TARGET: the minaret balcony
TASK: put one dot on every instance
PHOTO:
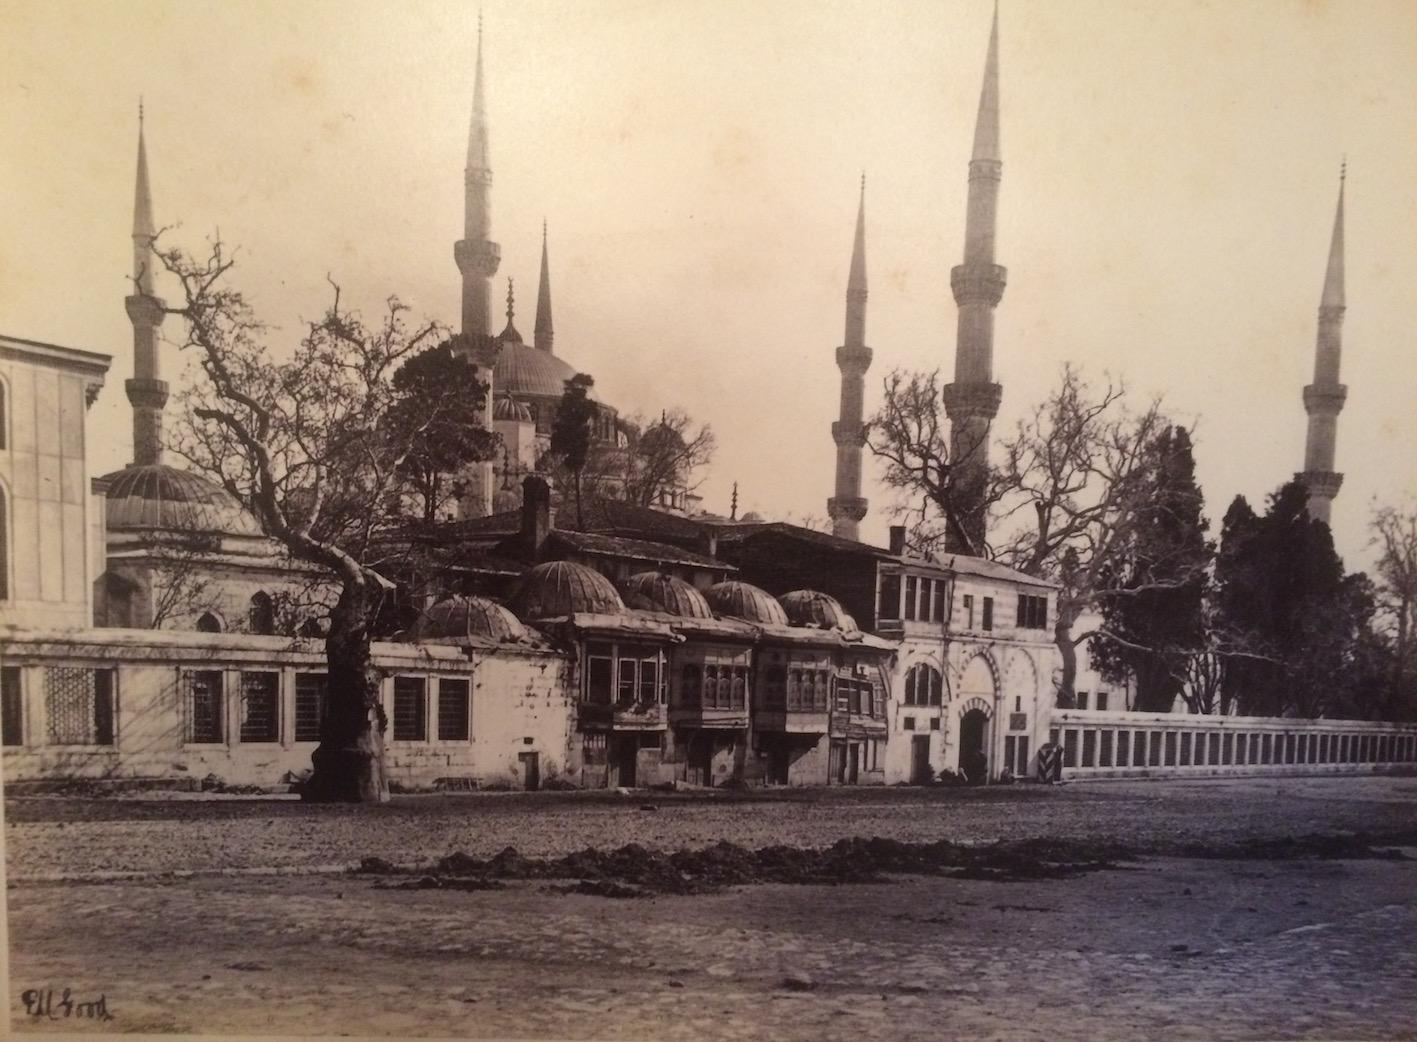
(853, 508)
(146, 394)
(1325, 401)
(978, 283)
(1320, 484)
(853, 359)
(478, 258)
(850, 436)
(972, 401)
(144, 309)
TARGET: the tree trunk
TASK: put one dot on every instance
(1400, 659)
(1063, 638)
(349, 761)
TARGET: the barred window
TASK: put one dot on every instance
(311, 693)
(453, 710)
(988, 621)
(11, 705)
(204, 699)
(1032, 612)
(79, 704)
(410, 710)
(260, 707)
(261, 617)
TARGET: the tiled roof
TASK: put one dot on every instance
(639, 549)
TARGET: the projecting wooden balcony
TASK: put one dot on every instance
(783, 721)
(718, 717)
(621, 716)
(858, 725)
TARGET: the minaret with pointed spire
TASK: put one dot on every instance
(1324, 398)
(477, 259)
(972, 400)
(544, 335)
(853, 358)
(146, 391)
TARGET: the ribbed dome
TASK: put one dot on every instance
(508, 408)
(656, 591)
(563, 588)
(661, 438)
(467, 617)
(161, 497)
(522, 369)
(814, 608)
(745, 601)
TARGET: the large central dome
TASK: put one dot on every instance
(526, 371)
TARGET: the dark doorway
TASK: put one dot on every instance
(624, 755)
(853, 763)
(973, 754)
(701, 759)
(920, 759)
(531, 771)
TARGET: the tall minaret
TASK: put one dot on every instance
(544, 336)
(146, 392)
(972, 400)
(853, 358)
(477, 258)
(1324, 398)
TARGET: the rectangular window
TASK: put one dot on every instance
(774, 687)
(1032, 612)
(1154, 759)
(1170, 748)
(260, 707)
(1070, 747)
(1139, 749)
(907, 723)
(843, 697)
(935, 723)
(598, 690)
(1227, 749)
(1102, 701)
(649, 682)
(311, 692)
(1089, 748)
(939, 613)
(740, 687)
(1104, 758)
(454, 710)
(689, 685)
(1082, 699)
(79, 704)
(1291, 751)
(911, 593)
(890, 597)
(410, 709)
(968, 604)
(1124, 741)
(625, 693)
(988, 621)
(11, 705)
(1267, 747)
(1185, 748)
(204, 701)
(1213, 750)
(1022, 755)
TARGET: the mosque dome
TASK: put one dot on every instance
(156, 496)
(526, 371)
(563, 588)
(816, 609)
(467, 617)
(745, 601)
(508, 408)
(661, 437)
(656, 591)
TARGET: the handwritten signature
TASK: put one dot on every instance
(44, 1004)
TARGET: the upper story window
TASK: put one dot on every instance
(988, 620)
(1032, 612)
(262, 615)
(968, 606)
(4, 415)
(924, 686)
(890, 597)
(912, 591)
(4, 544)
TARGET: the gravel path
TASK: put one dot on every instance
(52, 837)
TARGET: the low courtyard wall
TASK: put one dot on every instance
(1147, 745)
(155, 705)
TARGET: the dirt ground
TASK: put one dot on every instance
(1162, 946)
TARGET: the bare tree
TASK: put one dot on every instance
(303, 444)
(667, 456)
(181, 580)
(1394, 533)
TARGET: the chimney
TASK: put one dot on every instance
(708, 540)
(536, 516)
(897, 539)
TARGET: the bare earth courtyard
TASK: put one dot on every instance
(240, 916)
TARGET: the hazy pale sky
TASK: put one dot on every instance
(1170, 174)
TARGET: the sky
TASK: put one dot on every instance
(1169, 181)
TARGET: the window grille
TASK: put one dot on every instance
(988, 623)
(260, 707)
(204, 698)
(453, 708)
(79, 704)
(11, 703)
(410, 724)
(311, 692)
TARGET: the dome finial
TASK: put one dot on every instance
(510, 300)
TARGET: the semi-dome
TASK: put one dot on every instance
(817, 609)
(508, 408)
(657, 591)
(460, 616)
(524, 370)
(564, 588)
(156, 496)
(745, 601)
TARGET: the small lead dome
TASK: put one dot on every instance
(656, 591)
(508, 408)
(156, 496)
(817, 609)
(460, 616)
(564, 588)
(745, 601)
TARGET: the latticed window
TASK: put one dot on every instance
(79, 705)
(12, 705)
(689, 688)
(410, 710)
(204, 691)
(453, 716)
(260, 707)
(311, 691)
